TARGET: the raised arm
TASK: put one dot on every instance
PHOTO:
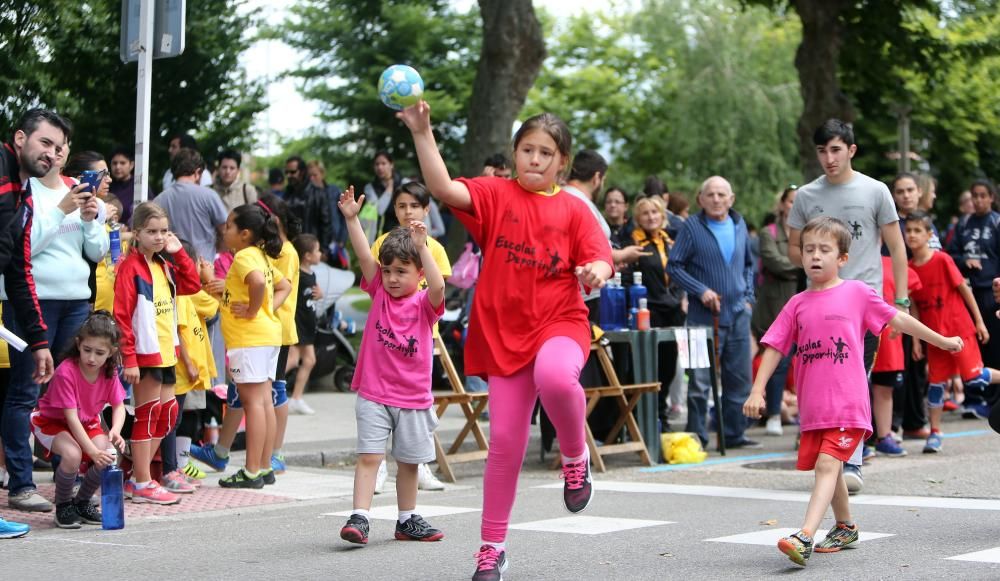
(432, 273)
(417, 119)
(350, 207)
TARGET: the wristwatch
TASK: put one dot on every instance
(905, 303)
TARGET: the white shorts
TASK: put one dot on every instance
(253, 364)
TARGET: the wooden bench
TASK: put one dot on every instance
(472, 405)
(627, 397)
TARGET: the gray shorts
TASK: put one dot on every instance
(412, 431)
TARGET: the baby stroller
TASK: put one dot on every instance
(334, 352)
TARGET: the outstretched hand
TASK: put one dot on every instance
(952, 344)
(418, 232)
(350, 207)
(417, 118)
(588, 277)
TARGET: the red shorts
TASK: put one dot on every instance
(942, 365)
(46, 430)
(837, 442)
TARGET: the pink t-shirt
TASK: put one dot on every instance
(828, 329)
(397, 348)
(69, 389)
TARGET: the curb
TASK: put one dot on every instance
(321, 459)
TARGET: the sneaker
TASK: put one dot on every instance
(578, 486)
(356, 530)
(490, 564)
(380, 477)
(299, 406)
(867, 453)
(29, 501)
(979, 411)
(773, 427)
(66, 516)
(745, 444)
(920, 434)
(128, 489)
(12, 530)
(852, 475)
(193, 472)
(839, 537)
(89, 514)
(950, 405)
(426, 479)
(417, 529)
(242, 480)
(278, 464)
(176, 483)
(154, 494)
(933, 444)
(206, 455)
(797, 546)
(888, 446)
(267, 476)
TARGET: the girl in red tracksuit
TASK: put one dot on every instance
(145, 287)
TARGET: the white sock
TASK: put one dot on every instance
(183, 451)
(404, 515)
(500, 547)
(360, 512)
(141, 485)
(567, 460)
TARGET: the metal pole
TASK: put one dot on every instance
(143, 100)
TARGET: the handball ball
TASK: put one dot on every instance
(400, 86)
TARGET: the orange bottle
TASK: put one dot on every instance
(642, 316)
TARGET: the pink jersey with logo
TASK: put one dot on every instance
(827, 328)
(397, 349)
(69, 389)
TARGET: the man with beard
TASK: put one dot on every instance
(39, 139)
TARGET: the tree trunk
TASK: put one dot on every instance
(817, 61)
(512, 53)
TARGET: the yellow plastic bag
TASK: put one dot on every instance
(682, 448)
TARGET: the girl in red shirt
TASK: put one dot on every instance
(528, 333)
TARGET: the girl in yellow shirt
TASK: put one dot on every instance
(255, 289)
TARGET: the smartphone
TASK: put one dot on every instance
(92, 178)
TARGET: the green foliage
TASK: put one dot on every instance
(347, 46)
(63, 55)
(684, 90)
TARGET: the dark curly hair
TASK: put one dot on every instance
(100, 325)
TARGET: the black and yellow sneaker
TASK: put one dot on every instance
(356, 530)
(268, 476)
(242, 480)
(839, 537)
(798, 546)
(89, 515)
(417, 529)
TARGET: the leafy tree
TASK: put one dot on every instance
(64, 55)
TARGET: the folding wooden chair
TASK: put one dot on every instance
(472, 405)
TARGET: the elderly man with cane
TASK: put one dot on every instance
(711, 260)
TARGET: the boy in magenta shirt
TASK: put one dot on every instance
(945, 303)
(393, 374)
(827, 324)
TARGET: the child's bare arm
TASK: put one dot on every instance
(755, 404)
(432, 273)
(904, 323)
(417, 119)
(117, 422)
(350, 207)
(970, 303)
(100, 457)
(189, 366)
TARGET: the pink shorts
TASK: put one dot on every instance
(837, 442)
(46, 430)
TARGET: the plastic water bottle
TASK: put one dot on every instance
(607, 309)
(637, 291)
(642, 316)
(116, 242)
(112, 496)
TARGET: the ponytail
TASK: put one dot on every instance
(262, 224)
(270, 237)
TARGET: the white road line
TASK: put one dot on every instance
(391, 512)
(588, 525)
(987, 556)
(770, 537)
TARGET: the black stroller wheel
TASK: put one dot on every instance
(342, 378)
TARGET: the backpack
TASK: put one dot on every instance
(465, 271)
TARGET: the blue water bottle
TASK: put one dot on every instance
(636, 291)
(618, 304)
(112, 497)
(116, 242)
(607, 308)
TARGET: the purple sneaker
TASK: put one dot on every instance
(578, 486)
(490, 564)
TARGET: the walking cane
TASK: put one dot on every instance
(716, 383)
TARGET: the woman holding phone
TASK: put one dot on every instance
(66, 232)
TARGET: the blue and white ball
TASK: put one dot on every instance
(400, 86)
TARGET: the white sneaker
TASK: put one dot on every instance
(426, 479)
(299, 406)
(383, 473)
(774, 426)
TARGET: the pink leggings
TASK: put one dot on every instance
(554, 376)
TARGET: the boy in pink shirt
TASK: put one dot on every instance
(827, 324)
(393, 374)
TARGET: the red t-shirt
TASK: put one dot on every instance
(526, 292)
(890, 351)
(939, 302)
